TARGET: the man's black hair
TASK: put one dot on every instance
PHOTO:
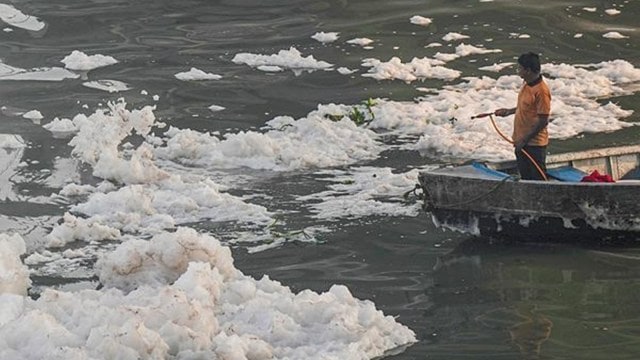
(530, 61)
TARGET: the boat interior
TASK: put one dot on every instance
(619, 163)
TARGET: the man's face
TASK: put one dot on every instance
(522, 72)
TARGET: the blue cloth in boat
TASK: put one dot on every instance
(566, 173)
(488, 171)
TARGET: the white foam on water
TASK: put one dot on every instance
(614, 35)
(178, 295)
(11, 141)
(416, 69)
(466, 50)
(420, 20)
(195, 74)
(497, 67)
(17, 18)
(364, 191)
(33, 115)
(286, 59)
(14, 276)
(422, 68)
(61, 128)
(65, 171)
(111, 86)
(285, 144)
(273, 238)
(8, 72)
(346, 71)
(270, 68)
(78, 60)
(216, 108)
(149, 198)
(454, 36)
(360, 41)
(443, 121)
(325, 37)
(12, 148)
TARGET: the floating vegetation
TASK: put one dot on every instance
(361, 114)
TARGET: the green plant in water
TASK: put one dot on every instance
(370, 103)
(359, 116)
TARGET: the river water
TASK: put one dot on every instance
(312, 208)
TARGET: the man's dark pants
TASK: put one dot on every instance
(527, 169)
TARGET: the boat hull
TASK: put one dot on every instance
(532, 210)
(526, 228)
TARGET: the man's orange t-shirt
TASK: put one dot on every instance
(533, 100)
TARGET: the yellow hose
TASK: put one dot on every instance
(533, 161)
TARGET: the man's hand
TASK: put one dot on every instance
(519, 145)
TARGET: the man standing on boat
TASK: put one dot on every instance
(531, 118)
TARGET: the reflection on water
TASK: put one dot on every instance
(543, 302)
(531, 332)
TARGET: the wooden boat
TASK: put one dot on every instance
(489, 199)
